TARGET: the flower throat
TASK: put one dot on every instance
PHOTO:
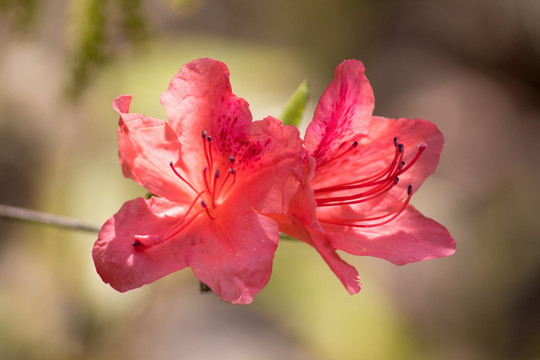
(368, 188)
(215, 187)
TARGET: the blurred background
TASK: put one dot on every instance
(470, 66)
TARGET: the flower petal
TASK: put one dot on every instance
(146, 146)
(269, 164)
(313, 234)
(343, 113)
(124, 267)
(199, 98)
(234, 254)
(346, 273)
(410, 238)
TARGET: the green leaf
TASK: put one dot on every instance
(292, 114)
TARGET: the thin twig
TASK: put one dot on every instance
(16, 213)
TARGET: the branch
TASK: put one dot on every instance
(16, 213)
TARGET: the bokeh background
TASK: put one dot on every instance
(470, 66)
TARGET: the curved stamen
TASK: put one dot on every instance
(390, 216)
(353, 145)
(143, 242)
(360, 197)
(203, 204)
(421, 148)
(368, 181)
(181, 177)
(372, 187)
(205, 177)
(214, 188)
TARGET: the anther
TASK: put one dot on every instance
(231, 159)
(143, 242)
(171, 164)
(355, 144)
(204, 134)
(207, 210)
(396, 142)
(217, 173)
(401, 148)
(409, 190)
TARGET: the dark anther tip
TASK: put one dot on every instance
(395, 141)
(409, 190)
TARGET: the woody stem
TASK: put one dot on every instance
(17, 213)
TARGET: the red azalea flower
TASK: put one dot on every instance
(217, 177)
(361, 173)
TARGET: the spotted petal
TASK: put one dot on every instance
(343, 114)
(199, 98)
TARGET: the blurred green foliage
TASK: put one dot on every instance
(98, 24)
(294, 109)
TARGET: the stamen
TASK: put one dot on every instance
(421, 148)
(205, 170)
(373, 186)
(388, 217)
(353, 145)
(143, 242)
(214, 188)
(209, 139)
(181, 177)
(207, 210)
(208, 162)
(229, 173)
(377, 191)
(374, 179)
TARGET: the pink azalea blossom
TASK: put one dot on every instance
(217, 177)
(361, 173)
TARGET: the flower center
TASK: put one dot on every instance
(368, 188)
(215, 187)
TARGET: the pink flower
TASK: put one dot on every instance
(218, 177)
(361, 173)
